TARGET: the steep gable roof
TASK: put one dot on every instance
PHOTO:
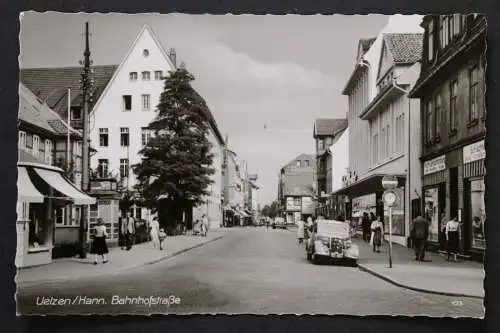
(405, 48)
(34, 112)
(328, 127)
(145, 29)
(302, 156)
(51, 84)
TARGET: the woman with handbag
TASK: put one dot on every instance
(377, 229)
(99, 247)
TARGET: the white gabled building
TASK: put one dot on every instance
(126, 107)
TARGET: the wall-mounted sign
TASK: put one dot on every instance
(474, 152)
(435, 165)
(293, 204)
(364, 201)
(307, 205)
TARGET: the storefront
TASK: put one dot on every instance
(42, 190)
(293, 209)
(474, 216)
(107, 207)
(434, 194)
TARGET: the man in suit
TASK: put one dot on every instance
(128, 230)
(420, 232)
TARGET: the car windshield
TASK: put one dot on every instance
(333, 228)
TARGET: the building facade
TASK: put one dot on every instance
(339, 161)
(233, 190)
(297, 188)
(44, 191)
(324, 133)
(451, 89)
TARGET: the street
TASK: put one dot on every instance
(250, 270)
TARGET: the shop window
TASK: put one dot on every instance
(103, 137)
(431, 212)
(59, 216)
(38, 229)
(124, 136)
(478, 213)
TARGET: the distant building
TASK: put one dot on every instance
(338, 164)
(451, 89)
(296, 188)
(325, 132)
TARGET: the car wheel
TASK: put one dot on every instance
(315, 259)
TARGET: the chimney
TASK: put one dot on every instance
(172, 55)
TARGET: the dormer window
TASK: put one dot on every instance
(76, 113)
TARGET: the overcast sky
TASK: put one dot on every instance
(265, 78)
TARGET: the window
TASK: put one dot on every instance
(437, 114)
(145, 136)
(473, 93)
(453, 104)
(127, 102)
(38, 231)
(124, 137)
(320, 144)
(133, 76)
(76, 215)
(22, 139)
(138, 213)
(145, 102)
(146, 76)
(457, 24)
(102, 168)
(431, 211)
(428, 122)
(145, 53)
(103, 137)
(60, 216)
(444, 31)
(158, 75)
(478, 213)
(76, 113)
(375, 149)
(49, 148)
(307, 163)
(36, 145)
(124, 167)
(23, 211)
(299, 164)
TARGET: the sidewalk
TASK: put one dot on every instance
(434, 275)
(119, 260)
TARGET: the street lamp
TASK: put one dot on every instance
(389, 183)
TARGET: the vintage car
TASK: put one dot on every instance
(331, 239)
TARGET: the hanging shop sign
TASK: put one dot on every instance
(435, 165)
(474, 152)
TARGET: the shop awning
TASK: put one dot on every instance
(26, 191)
(367, 185)
(61, 184)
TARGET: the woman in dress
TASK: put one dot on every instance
(377, 229)
(99, 247)
(452, 238)
(155, 233)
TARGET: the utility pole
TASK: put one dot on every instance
(86, 83)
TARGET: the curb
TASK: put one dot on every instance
(120, 270)
(405, 286)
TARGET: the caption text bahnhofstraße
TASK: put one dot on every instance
(115, 300)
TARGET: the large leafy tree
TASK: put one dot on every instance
(174, 172)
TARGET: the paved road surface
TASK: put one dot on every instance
(250, 270)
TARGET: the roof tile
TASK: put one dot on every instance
(405, 48)
(329, 126)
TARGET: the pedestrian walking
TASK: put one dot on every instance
(128, 230)
(98, 246)
(162, 235)
(442, 232)
(420, 232)
(204, 225)
(300, 231)
(155, 233)
(452, 238)
(377, 229)
(365, 225)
